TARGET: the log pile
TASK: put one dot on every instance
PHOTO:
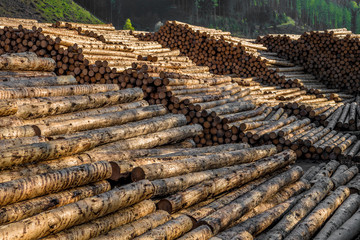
(58, 140)
(329, 55)
(196, 201)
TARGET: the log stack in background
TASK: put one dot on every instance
(330, 55)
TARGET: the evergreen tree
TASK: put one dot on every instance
(128, 25)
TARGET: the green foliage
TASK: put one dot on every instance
(68, 10)
(128, 25)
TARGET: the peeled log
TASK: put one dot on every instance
(26, 61)
(342, 214)
(174, 168)
(38, 185)
(136, 228)
(85, 210)
(345, 176)
(222, 218)
(306, 228)
(25, 209)
(200, 233)
(77, 103)
(105, 224)
(221, 184)
(170, 230)
(312, 197)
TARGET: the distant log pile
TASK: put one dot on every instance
(329, 55)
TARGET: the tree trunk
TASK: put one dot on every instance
(200, 233)
(349, 230)
(134, 229)
(77, 103)
(13, 121)
(218, 185)
(15, 82)
(25, 209)
(326, 171)
(84, 141)
(54, 91)
(345, 176)
(283, 195)
(312, 197)
(175, 168)
(26, 61)
(39, 185)
(354, 184)
(105, 224)
(56, 220)
(306, 228)
(342, 214)
(169, 230)
(222, 218)
(260, 222)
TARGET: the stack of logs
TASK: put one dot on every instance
(210, 192)
(330, 55)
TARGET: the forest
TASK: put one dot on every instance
(242, 17)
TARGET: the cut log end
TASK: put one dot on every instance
(165, 205)
(137, 174)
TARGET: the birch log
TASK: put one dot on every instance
(307, 228)
(174, 168)
(342, 214)
(18, 211)
(312, 197)
(56, 220)
(105, 224)
(39, 185)
(136, 228)
(222, 218)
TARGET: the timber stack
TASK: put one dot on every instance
(329, 55)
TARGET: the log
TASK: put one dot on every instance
(312, 197)
(136, 228)
(83, 141)
(200, 233)
(220, 184)
(39, 185)
(18, 211)
(155, 139)
(220, 219)
(170, 230)
(344, 177)
(56, 220)
(349, 230)
(259, 223)
(14, 82)
(354, 184)
(201, 210)
(174, 168)
(26, 61)
(307, 228)
(77, 103)
(342, 214)
(105, 224)
(326, 171)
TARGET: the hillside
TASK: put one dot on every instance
(47, 10)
